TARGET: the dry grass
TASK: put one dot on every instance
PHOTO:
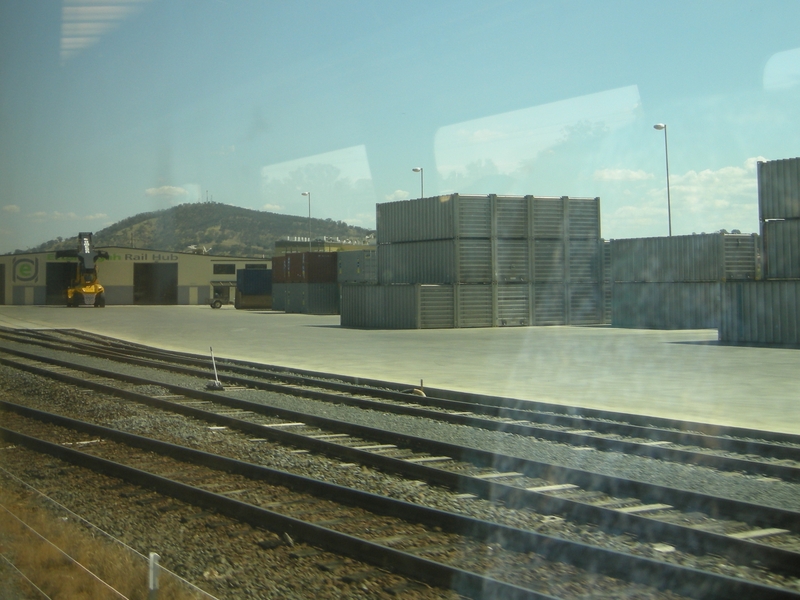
(58, 575)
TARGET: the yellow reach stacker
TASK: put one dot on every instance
(85, 289)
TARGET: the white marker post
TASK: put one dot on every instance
(152, 579)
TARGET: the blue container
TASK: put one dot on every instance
(254, 282)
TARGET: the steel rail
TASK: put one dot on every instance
(682, 580)
(591, 480)
(471, 584)
(708, 429)
(724, 463)
(685, 538)
(654, 428)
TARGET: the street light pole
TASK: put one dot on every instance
(309, 218)
(663, 126)
(421, 181)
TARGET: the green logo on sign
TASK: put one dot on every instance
(25, 269)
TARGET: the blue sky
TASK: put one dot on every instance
(109, 108)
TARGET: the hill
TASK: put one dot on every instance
(227, 230)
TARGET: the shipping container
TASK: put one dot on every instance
(311, 267)
(781, 249)
(279, 269)
(491, 216)
(436, 262)
(380, 306)
(436, 218)
(470, 305)
(674, 305)
(779, 189)
(278, 295)
(760, 312)
(254, 282)
(687, 258)
(357, 266)
(312, 298)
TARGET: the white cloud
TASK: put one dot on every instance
(621, 175)
(398, 195)
(272, 207)
(705, 190)
(166, 190)
(701, 201)
(11, 208)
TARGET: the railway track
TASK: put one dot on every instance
(770, 454)
(690, 522)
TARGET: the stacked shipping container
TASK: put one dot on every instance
(306, 282)
(483, 261)
(674, 282)
(766, 312)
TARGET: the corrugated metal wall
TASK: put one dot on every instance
(761, 312)
(781, 249)
(278, 296)
(779, 189)
(474, 216)
(672, 305)
(549, 260)
(548, 218)
(474, 305)
(511, 216)
(511, 261)
(513, 305)
(550, 304)
(436, 307)
(585, 304)
(741, 256)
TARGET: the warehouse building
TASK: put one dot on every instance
(129, 275)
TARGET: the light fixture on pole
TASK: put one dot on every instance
(421, 181)
(663, 126)
(309, 217)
